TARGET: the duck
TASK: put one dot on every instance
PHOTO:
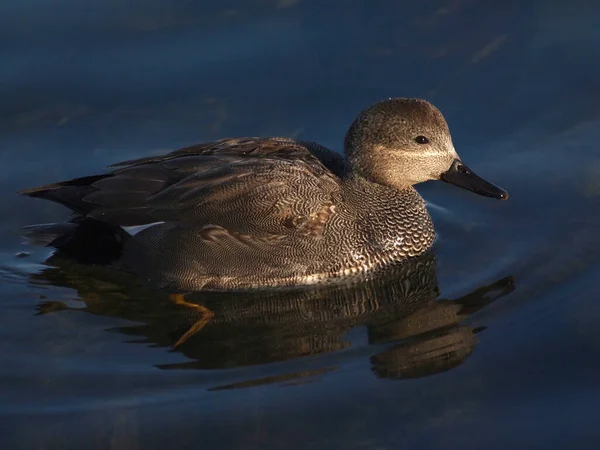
(274, 212)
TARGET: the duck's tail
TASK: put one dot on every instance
(68, 193)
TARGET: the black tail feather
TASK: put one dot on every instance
(68, 193)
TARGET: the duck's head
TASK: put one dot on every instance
(400, 142)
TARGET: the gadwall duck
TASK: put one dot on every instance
(254, 212)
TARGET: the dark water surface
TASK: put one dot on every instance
(494, 344)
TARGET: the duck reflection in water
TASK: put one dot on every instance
(411, 332)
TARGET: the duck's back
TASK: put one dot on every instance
(125, 195)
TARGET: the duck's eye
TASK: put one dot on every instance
(421, 140)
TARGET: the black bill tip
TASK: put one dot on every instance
(460, 175)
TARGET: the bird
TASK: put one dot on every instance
(275, 212)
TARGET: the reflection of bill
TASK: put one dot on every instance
(432, 339)
(411, 331)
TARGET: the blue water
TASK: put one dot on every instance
(87, 361)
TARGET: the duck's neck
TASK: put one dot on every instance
(371, 195)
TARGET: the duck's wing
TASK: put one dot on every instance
(256, 187)
(263, 187)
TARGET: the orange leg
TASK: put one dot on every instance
(205, 316)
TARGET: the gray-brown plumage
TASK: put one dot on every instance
(260, 212)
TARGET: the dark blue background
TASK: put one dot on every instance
(85, 84)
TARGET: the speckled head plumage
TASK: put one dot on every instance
(400, 142)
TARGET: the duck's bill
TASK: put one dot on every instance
(461, 176)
